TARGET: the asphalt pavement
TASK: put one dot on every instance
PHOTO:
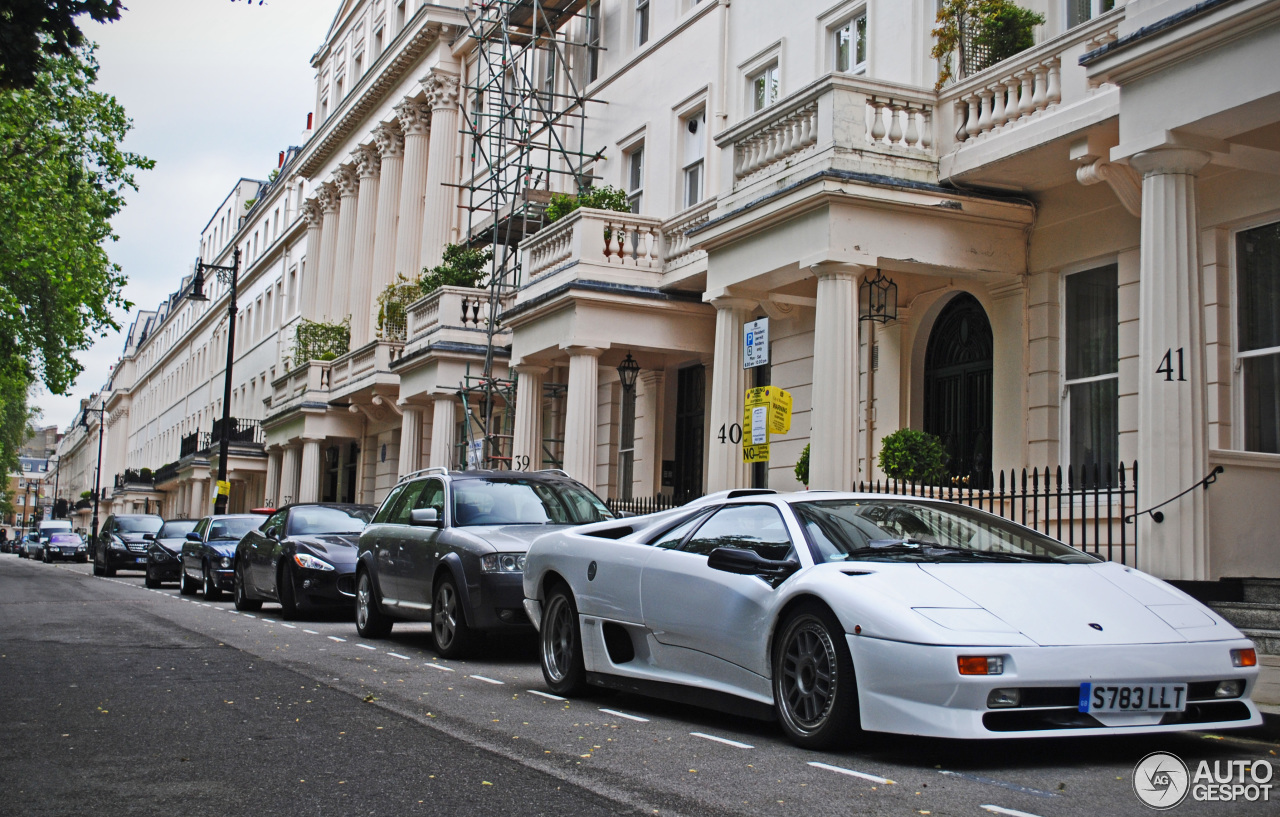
(122, 700)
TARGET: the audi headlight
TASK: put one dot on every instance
(502, 563)
(310, 562)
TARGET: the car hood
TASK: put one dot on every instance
(1078, 605)
(334, 547)
(171, 545)
(511, 538)
(132, 538)
(225, 547)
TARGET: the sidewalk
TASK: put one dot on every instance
(1267, 690)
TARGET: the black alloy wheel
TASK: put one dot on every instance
(47, 558)
(210, 589)
(240, 595)
(560, 644)
(286, 591)
(186, 586)
(814, 691)
(449, 631)
(150, 581)
(371, 622)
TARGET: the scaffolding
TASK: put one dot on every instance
(523, 123)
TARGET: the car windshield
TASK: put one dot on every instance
(138, 524)
(233, 527)
(905, 531)
(176, 529)
(65, 539)
(320, 519)
(524, 502)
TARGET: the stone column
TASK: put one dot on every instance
(415, 121)
(443, 420)
(649, 430)
(833, 441)
(360, 294)
(197, 508)
(440, 211)
(1173, 452)
(307, 295)
(725, 468)
(410, 440)
(344, 248)
(324, 278)
(580, 415)
(288, 475)
(309, 478)
(527, 443)
(273, 477)
(391, 148)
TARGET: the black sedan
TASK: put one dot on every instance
(65, 546)
(209, 552)
(166, 550)
(303, 557)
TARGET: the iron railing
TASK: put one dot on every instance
(193, 443)
(165, 473)
(242, 431)
(639, 506)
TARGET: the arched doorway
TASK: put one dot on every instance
(957, 387)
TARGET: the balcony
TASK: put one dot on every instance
(363, 368)
(243, 432)
(1038, 96)
(166, 473)
(838, 122)
(448, 315)
(306, 383)
(193, 443)
(134, 478)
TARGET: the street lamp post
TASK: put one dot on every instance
(230, 276)
(97, 472)
(56, 475)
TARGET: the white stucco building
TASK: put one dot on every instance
(1084, 239)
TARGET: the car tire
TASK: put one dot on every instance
(150, 581)
(46, 559)
(287, 594)
(240, 594)
(815, 693)
(450, 634)
(185, 585)
(209, 589)
(97, 568)
(371, 622)
(560, 644)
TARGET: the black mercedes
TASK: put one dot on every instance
(303, 556)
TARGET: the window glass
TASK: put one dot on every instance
(176, 529)
(751, 527)
(232, 527)
(1092, 372)
(524, 502)
(674, 536)
(850, 48)
(275, 523)
(635, 178)
(385, 510)
(139, 524)
(694, 156)
(317, 519)
(642, 22)
(407, 501)
(432, 497)
(1258, 327)
(764, 88)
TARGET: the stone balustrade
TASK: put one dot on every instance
(1028, 86)
(312, 376)
(622, 240)
(677, 246)
(449, 306)
(851, 122)
(359, 364)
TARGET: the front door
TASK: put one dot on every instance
(957, 388)
(691, 388)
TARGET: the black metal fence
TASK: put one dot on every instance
(1086, 507)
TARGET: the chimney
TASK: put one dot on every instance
(281, 164)
(309, 121)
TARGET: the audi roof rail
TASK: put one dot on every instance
(435, 469)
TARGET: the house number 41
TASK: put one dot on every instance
(1166, 365)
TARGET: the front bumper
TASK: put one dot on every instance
(939, 702)
(500, 603)
(165, 570)
(67, 554)
(126, 559)
(324, 588)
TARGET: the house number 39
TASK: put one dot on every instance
(1166, 366)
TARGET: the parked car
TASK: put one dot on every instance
(448, 547)
(163, 554)
(209, 552)
(31, 547)
(121, 543)
(841, 612)
(65, 546)
(303, 556)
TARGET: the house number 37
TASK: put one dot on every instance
(1166, 366)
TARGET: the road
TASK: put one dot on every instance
(146, 702)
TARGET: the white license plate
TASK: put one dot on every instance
(1133, 697)
(141, 560)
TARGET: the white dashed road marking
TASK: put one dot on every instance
(635, 718)
(313, 632)
(1010, 812)
(488, 680)
(290, 626)
(1002, 784)
(734, 743)
(398, 655)
(439, 667)
(366, 647)
(840, 769)
(335, 638)
(545, 695)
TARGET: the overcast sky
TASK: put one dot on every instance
(216, 89)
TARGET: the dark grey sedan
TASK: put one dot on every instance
(448, 547)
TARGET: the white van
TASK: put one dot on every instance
(51, 526)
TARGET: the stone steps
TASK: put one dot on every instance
(1267, 642)
(1248, 615)
(1261, 591)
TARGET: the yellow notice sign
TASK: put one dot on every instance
(779, 403)
(224, 488)
(755, 453)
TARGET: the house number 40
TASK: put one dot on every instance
(1166, 365)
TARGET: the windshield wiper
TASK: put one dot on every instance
(932, 551)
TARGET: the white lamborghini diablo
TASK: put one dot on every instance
(846, 612)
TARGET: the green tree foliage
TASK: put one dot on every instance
(317, 340)
(913, 455)
(999, 28)
(460, 267)
(596, 198)
(63, 177)
(35, 33)
(802, 467)
(16, 417)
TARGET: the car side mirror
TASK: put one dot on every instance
(193, 537)
(149, 536)
(745, 562)
(424, 517)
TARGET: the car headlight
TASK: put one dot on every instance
(118, 544)
(502, 563)
(225, 561)
(310, 562)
